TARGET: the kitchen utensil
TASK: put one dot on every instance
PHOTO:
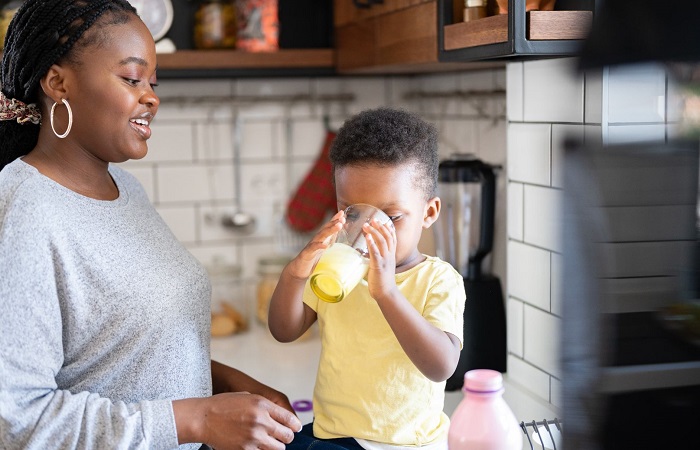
(464, 238)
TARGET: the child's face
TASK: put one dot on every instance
(393, 190)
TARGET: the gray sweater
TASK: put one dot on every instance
(104, 318)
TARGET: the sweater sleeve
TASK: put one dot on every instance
(34, 412)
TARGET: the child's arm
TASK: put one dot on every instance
(288, 316)
(434, 352)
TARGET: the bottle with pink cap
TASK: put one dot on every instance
(483, 420)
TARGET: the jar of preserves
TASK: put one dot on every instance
(215, 24)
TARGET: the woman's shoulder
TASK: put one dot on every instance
(19, 182)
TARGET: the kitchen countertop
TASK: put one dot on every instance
(291, 368)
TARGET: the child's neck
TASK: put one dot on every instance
(412, 261)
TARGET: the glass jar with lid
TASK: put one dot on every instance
(229, 306)
(215, 24)
(269, 271)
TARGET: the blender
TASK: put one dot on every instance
(464, 238)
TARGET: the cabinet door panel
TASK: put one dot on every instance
(408, 36)
(356, 45)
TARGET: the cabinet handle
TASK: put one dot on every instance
(365, 4)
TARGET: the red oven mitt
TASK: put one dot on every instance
(315, 196)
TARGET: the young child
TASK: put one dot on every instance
(389, 345)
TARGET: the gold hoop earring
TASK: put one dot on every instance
(70, 119)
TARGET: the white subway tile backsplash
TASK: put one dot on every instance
(397, 89)
(561, 134)
(298, 169)
(533, 378)
(214, 141)
(194, 183)
(594, 96)
(515, 314)
(491, 141)
(542, 218)
(308, 138)
(270, 87)
(541, 347)
(557, 288)
(515, 211)
(259, 140)
(169, 142)
(553, 91)
(456, 136)
(636, 93)
(263, 183)
(145, 176)
(626, 134)
(194, 88)
(529, 153)
(441, 84)
(252, 250)
(593, 135)
(514, 91)
(529, 274)
(209, 253)
(555, 393)
(180, 109)
(181, 220)
(369, 93)
(477, 81)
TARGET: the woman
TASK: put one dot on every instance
(104, 316)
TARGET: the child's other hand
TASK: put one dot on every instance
(302, 266)
(381, 242)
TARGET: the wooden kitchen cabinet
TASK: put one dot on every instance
(396, 36)
(519, 34)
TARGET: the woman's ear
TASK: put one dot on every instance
(53, 83)
(432, 212)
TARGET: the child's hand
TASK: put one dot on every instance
(381, 242)
(302, 266)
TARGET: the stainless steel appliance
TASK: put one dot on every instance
(464, 238)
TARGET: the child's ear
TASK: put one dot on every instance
(432, 212)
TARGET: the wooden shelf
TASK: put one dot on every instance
(232, 63)
(237, 59)
(236, 63)
(541, 25)
(520, 34)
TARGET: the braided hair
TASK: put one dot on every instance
(41, 34)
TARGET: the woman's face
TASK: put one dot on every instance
(111, 93)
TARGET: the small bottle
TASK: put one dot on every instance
(474, 9)
(215, 25)
(482, 419)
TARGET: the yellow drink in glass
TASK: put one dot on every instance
(339, 270)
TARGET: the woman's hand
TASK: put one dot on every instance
(228, 379)
(234, 421)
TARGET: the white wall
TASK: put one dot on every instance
(548, 101)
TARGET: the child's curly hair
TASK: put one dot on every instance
(389, 137)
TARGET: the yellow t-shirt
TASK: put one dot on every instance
(366, 386)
